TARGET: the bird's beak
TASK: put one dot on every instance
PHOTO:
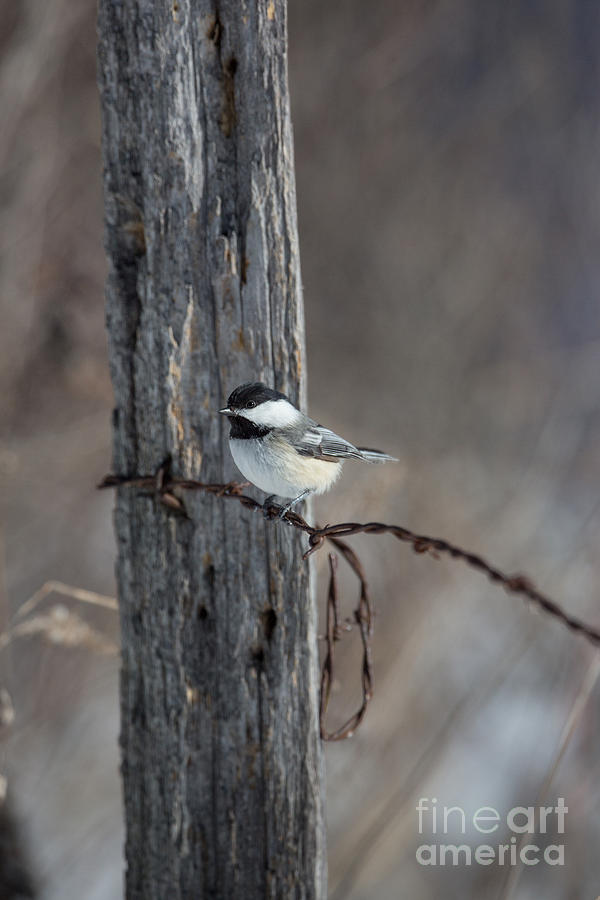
(227, 412)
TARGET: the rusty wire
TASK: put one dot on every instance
(163, 486)
(363, 618)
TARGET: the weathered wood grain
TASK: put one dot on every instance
(222, 764)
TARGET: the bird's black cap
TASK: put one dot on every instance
(253, 390)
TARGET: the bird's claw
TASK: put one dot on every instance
(268, 506)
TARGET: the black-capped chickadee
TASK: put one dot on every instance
(282, 451)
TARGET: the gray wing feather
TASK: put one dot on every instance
(321, 443)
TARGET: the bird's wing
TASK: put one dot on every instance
(321, 443)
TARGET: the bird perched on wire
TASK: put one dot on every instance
(281, 450)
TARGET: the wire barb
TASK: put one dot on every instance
(164, 487)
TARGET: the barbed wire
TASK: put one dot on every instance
(363, 618)
(163, 486)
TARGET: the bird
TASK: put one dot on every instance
(281, 450)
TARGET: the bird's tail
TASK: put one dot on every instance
(375, 456)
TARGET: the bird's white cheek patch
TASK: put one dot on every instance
(274, 413)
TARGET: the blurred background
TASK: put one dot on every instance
(447, 158)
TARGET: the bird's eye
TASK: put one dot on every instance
(250, 404)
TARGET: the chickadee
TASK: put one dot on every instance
(281, 450)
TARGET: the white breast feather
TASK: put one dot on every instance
(276, 468)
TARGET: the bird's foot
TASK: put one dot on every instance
(268, 506)
(285, 509)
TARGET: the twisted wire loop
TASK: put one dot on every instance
(363, 618)
(162, 486)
